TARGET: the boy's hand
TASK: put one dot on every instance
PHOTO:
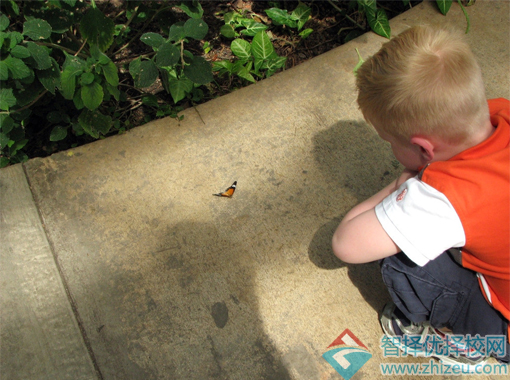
(360, 237)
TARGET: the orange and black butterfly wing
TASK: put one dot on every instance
(229, 192)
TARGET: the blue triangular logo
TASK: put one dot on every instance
(347, 360)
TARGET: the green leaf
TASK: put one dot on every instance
(167, 55)
(94, 123)
(444, 5)
(4, 140)
(228, 31)
(7, 99)
(301, 14)
(86, 78)
(195, 28)
(50, 78)
(280, 17)
(176, 32)
(4, 22)
(305, 33)
(16, 67)
(241, 48)
(368, 5)
(98, 55)
(223, 67)
(19, 51)
(68, 81)
(37, 29)
(152, 39)
(40, 55)
(6, 123)
(192, 9)
(261, 46)
(252, 28)
(113, 90)
(17, 146)
(77, 100)
(257, 65)
(380, 23)
(92, 95)
(4, 71)
(97, 28)
(199, 71)
(273, 64)
(13, 38)
(244, 72)
(232, 17)
(74, 62)
(144, 73)
(179, 88)
(111, 73)
(58, 133)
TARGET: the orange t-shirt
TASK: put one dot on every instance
(477, 183)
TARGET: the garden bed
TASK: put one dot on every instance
(311, 28)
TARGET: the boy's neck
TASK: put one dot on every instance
(446, 151)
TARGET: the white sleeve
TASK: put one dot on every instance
(421, 221)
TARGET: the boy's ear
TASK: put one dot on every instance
(426, 146)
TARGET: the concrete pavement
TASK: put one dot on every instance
(117, 262)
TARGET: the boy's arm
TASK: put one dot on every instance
(360, 237)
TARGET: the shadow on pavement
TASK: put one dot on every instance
(359, 163)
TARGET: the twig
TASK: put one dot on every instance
(28, 105)
(285, 41)
(142, 29)
(81, 47)
(133, 15)
(321, 43)
(55, 46)
(346, 16)
(182, 54)
(198, 113)
(130, 59)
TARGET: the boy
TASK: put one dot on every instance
(441, 230)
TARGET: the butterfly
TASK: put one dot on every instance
(229, 192)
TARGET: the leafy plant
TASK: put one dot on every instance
(22, 62)
(378, 20)
(252, 58)
(296, 19)
(259, 57)
(444, 7)
(181, 72)
(235, 20)
(67, 54)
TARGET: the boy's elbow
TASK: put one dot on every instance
(342, 249)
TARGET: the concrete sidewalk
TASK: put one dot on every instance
(118, 263)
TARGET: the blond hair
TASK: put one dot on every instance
(424, 81)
